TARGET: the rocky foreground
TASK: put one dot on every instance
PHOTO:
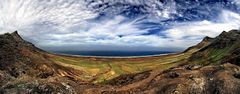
(213, 69)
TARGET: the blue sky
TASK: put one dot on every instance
(129, 25)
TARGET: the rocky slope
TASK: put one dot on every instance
(24, 68)
(212, 69)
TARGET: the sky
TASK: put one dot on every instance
(113, 25)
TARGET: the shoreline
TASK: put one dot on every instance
(116, 57)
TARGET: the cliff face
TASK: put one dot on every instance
(213, 68)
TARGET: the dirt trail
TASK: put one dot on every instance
(105, 72)
(141, 83)
(128, 87)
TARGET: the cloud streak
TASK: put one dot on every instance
(178, 37)
(42, 15)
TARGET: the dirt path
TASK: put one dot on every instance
(141, 83)
(99, 74)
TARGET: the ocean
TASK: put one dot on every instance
(113, 53)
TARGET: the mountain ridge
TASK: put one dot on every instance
(221, 46)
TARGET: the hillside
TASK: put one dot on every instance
(208, 67)
(224, 48)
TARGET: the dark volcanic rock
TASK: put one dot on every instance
(9, 53)
(222, 49)
(226, 39)
(13, 55)
(21, 61)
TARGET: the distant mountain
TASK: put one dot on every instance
(210, 67)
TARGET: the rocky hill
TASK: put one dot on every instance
(25, 69)
(210, 67)
(224, 48)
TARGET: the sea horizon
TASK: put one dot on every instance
(113, 53)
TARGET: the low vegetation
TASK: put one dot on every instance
(98, 69)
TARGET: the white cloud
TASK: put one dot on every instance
(65, 24)
(42, 16)
(114, 32)
(236, 1)
(104, 32)
(192, 32)
(156, 10)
